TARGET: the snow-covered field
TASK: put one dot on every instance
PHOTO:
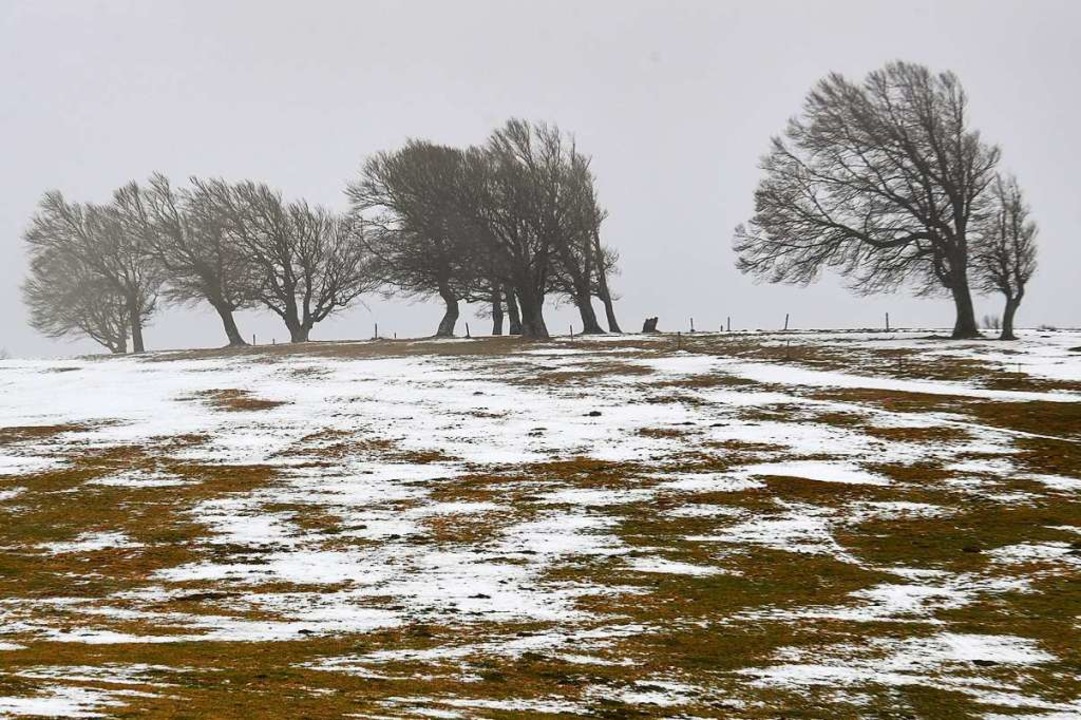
(803, 525)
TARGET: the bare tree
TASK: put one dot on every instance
(532, 193)
(502, 225)
(312, 263)
(514, 313)
(94, 240)
(1005, 256)
(577, 224)
(65, 300)
(415, 228)
(497, 311)
(510, 178)
(200, 261)
(607, 264)
(878, 180)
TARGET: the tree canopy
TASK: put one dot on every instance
(879, 180)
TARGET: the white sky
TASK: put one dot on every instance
(675, 101)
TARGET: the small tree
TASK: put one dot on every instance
(537, 220)
(93, 241)
(607, 263)
(311, 263)
(189, 242)
(878, 180)
(65, 300)
(578, 220)
(1005, 257)
(421, 241)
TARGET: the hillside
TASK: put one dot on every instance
(802, 525)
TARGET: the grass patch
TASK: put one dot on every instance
(233, 400)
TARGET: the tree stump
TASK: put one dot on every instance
(650, 325)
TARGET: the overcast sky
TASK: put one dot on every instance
(675, 101)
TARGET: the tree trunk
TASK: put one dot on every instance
(590, 326)
(497, 313)
(298, 332)
(290, 313)
(603, 292)
(609, 310)
(533, 326)
(229, 322)
(450, 317)
(1007, 319)
(965, 326)
(136, 327)
(512, 310)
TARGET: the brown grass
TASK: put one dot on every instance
(691, 627)
(233, 400)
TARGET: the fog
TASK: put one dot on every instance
(675, 101)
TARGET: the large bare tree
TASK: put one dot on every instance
(312, 263)
(504, 224)
(533, 196)
(94, 240)
(65, 300)
(1005, 255)
(199, 259)
(419, 236)
(879, 180)
(578, 220)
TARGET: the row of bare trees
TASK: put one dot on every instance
(509, 224)
(100, 271)
(885, 182)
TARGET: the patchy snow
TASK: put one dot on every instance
(670, 567)
(822, 471)
(705, 510)
(661, 693)
(360, 528)
(709, 482)
(863, 511)
(141, 479)
(598, 498)
(796, 527)
(1037, 552)
(11, 493)
(910, 661)
(60, 701)
(786, 374)
(1056, 482)
(552, 707)
(89, 542)
(918, 601)
(112, 673)
(991, 466)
